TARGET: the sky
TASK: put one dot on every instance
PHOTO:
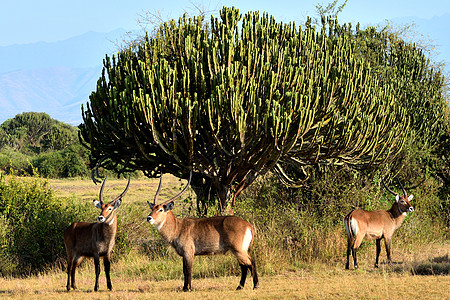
(31, 21)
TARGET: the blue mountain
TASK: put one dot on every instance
(55, 78)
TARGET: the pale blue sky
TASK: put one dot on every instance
(29, 21)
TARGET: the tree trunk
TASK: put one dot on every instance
(205, 193)
(210, 194)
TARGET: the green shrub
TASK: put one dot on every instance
(304, 225)
(34, 220)
(70, 162)
(14, 162)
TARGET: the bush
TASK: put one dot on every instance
(70, 162)
(34, 219)
(295, 226)
(14, 162)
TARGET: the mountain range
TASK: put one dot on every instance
(57, 78)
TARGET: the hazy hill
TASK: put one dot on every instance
(55, 78)
(58, 91)
(82, 51)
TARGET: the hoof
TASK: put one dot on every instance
(240, 287)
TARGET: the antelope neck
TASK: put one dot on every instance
(111, 214)
(168, 228)
(396, 212)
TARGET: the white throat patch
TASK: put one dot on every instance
(158, 227)
(112, 220)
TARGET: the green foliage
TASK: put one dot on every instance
(14, 162)
(306, 225)
(70, 162)
(33, 142)
(32, 132)
(32, 220)
(240, 93)
(417, 85)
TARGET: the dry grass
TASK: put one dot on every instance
(140, 191)
(328, 283)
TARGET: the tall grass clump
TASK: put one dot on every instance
(298, 226)
(32, 220)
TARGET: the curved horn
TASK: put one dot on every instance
(389, 190)
(159, 189)
(124, 192)
(101, 190)
(180, 193)
(403, 189)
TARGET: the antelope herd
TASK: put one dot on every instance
(215, 235)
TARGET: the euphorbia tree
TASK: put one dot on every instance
(232, 101)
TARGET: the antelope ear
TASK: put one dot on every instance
(397, 198)
(168, 206)
(150, 205)
(410, 197)
(98, 204)
(117, 203)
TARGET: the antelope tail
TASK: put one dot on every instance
(348, 228)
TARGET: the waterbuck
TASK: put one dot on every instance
(202, 236)
(376, 225)
(83, 239)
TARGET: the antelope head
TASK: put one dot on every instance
(108, 209)
(159, 212)
(404, 202)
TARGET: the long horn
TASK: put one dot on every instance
(101, 190)
(180, 193)
(403, 189)
(389, 190)
(124, 192)
(159, 189)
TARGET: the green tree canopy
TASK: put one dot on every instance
(35, 132)
(236, 97)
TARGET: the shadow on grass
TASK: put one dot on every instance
(437, 266)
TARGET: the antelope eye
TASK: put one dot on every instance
(403, 201)
(160, 210)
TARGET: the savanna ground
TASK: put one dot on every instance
(419, 271)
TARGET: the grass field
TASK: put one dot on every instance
(419, 271)
(324, 282)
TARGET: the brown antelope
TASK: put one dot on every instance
(83, 239)
(376, 225)
(202, 236)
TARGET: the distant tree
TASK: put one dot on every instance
(59, 137)
(36, 132)
(233, 105)
(33, 142)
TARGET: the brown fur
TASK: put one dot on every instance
(83, 239)
(202, 236)
(375, 225)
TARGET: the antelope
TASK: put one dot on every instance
(203, 236)
(376, 225)
(83, 239)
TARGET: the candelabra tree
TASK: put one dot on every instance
(235, 97)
